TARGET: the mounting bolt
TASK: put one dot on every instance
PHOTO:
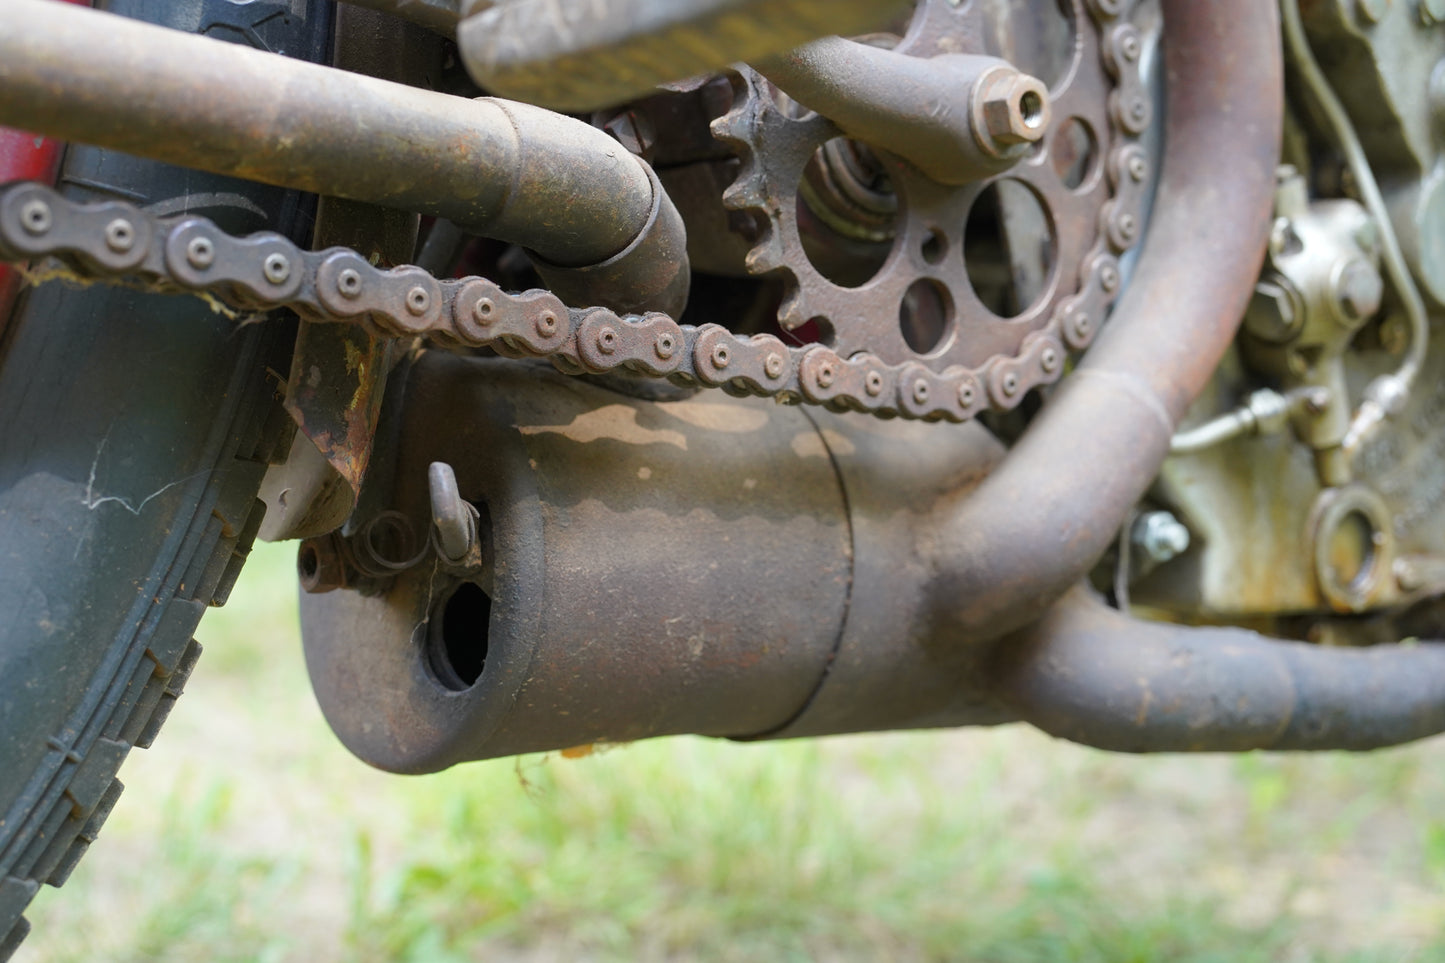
(1274, 313)
(321, 566)
(1160, 536)
(1011, 108)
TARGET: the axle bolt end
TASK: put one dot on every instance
(1013, 107)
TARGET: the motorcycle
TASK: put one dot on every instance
(636, 369)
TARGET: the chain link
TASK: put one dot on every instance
(114, 241)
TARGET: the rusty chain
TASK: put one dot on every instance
(116, 241)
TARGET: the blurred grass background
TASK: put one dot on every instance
(248, 833)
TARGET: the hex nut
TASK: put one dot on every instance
(1160, 536)
(1275, 313)
(320, 566)
(1011, 108)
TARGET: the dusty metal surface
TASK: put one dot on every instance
(1093, 675)
(952, 268)
(581, 56)
(543, 563)
(340, 285)
(1060, 497)
(504, 170)
(693, 566)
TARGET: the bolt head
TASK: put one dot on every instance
(1160, 536)
(1359, 291)
(1273, 314)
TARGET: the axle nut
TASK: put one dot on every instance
(1013, 107)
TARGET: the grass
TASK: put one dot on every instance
(248, 833)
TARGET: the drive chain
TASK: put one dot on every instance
(118, 242)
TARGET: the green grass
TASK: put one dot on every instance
(248, 833)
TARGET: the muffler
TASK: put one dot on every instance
(729, 567)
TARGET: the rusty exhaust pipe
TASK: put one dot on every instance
(1039, 523)
(603, 229)
(1093, 675)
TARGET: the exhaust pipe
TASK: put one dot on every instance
(1093, 675)
(603, 229)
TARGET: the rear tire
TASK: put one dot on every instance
(134, 433)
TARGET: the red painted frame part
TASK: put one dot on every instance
(25, 157)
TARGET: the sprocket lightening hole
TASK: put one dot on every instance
(847, 213)
(1042, 44)
(925, 314)
(1073, 153)
(1009, 248)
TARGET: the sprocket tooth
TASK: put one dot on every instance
(745, 194)
(730, 129)
(793, 312)
(766, 257)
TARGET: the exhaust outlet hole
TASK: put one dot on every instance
(457, 638)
